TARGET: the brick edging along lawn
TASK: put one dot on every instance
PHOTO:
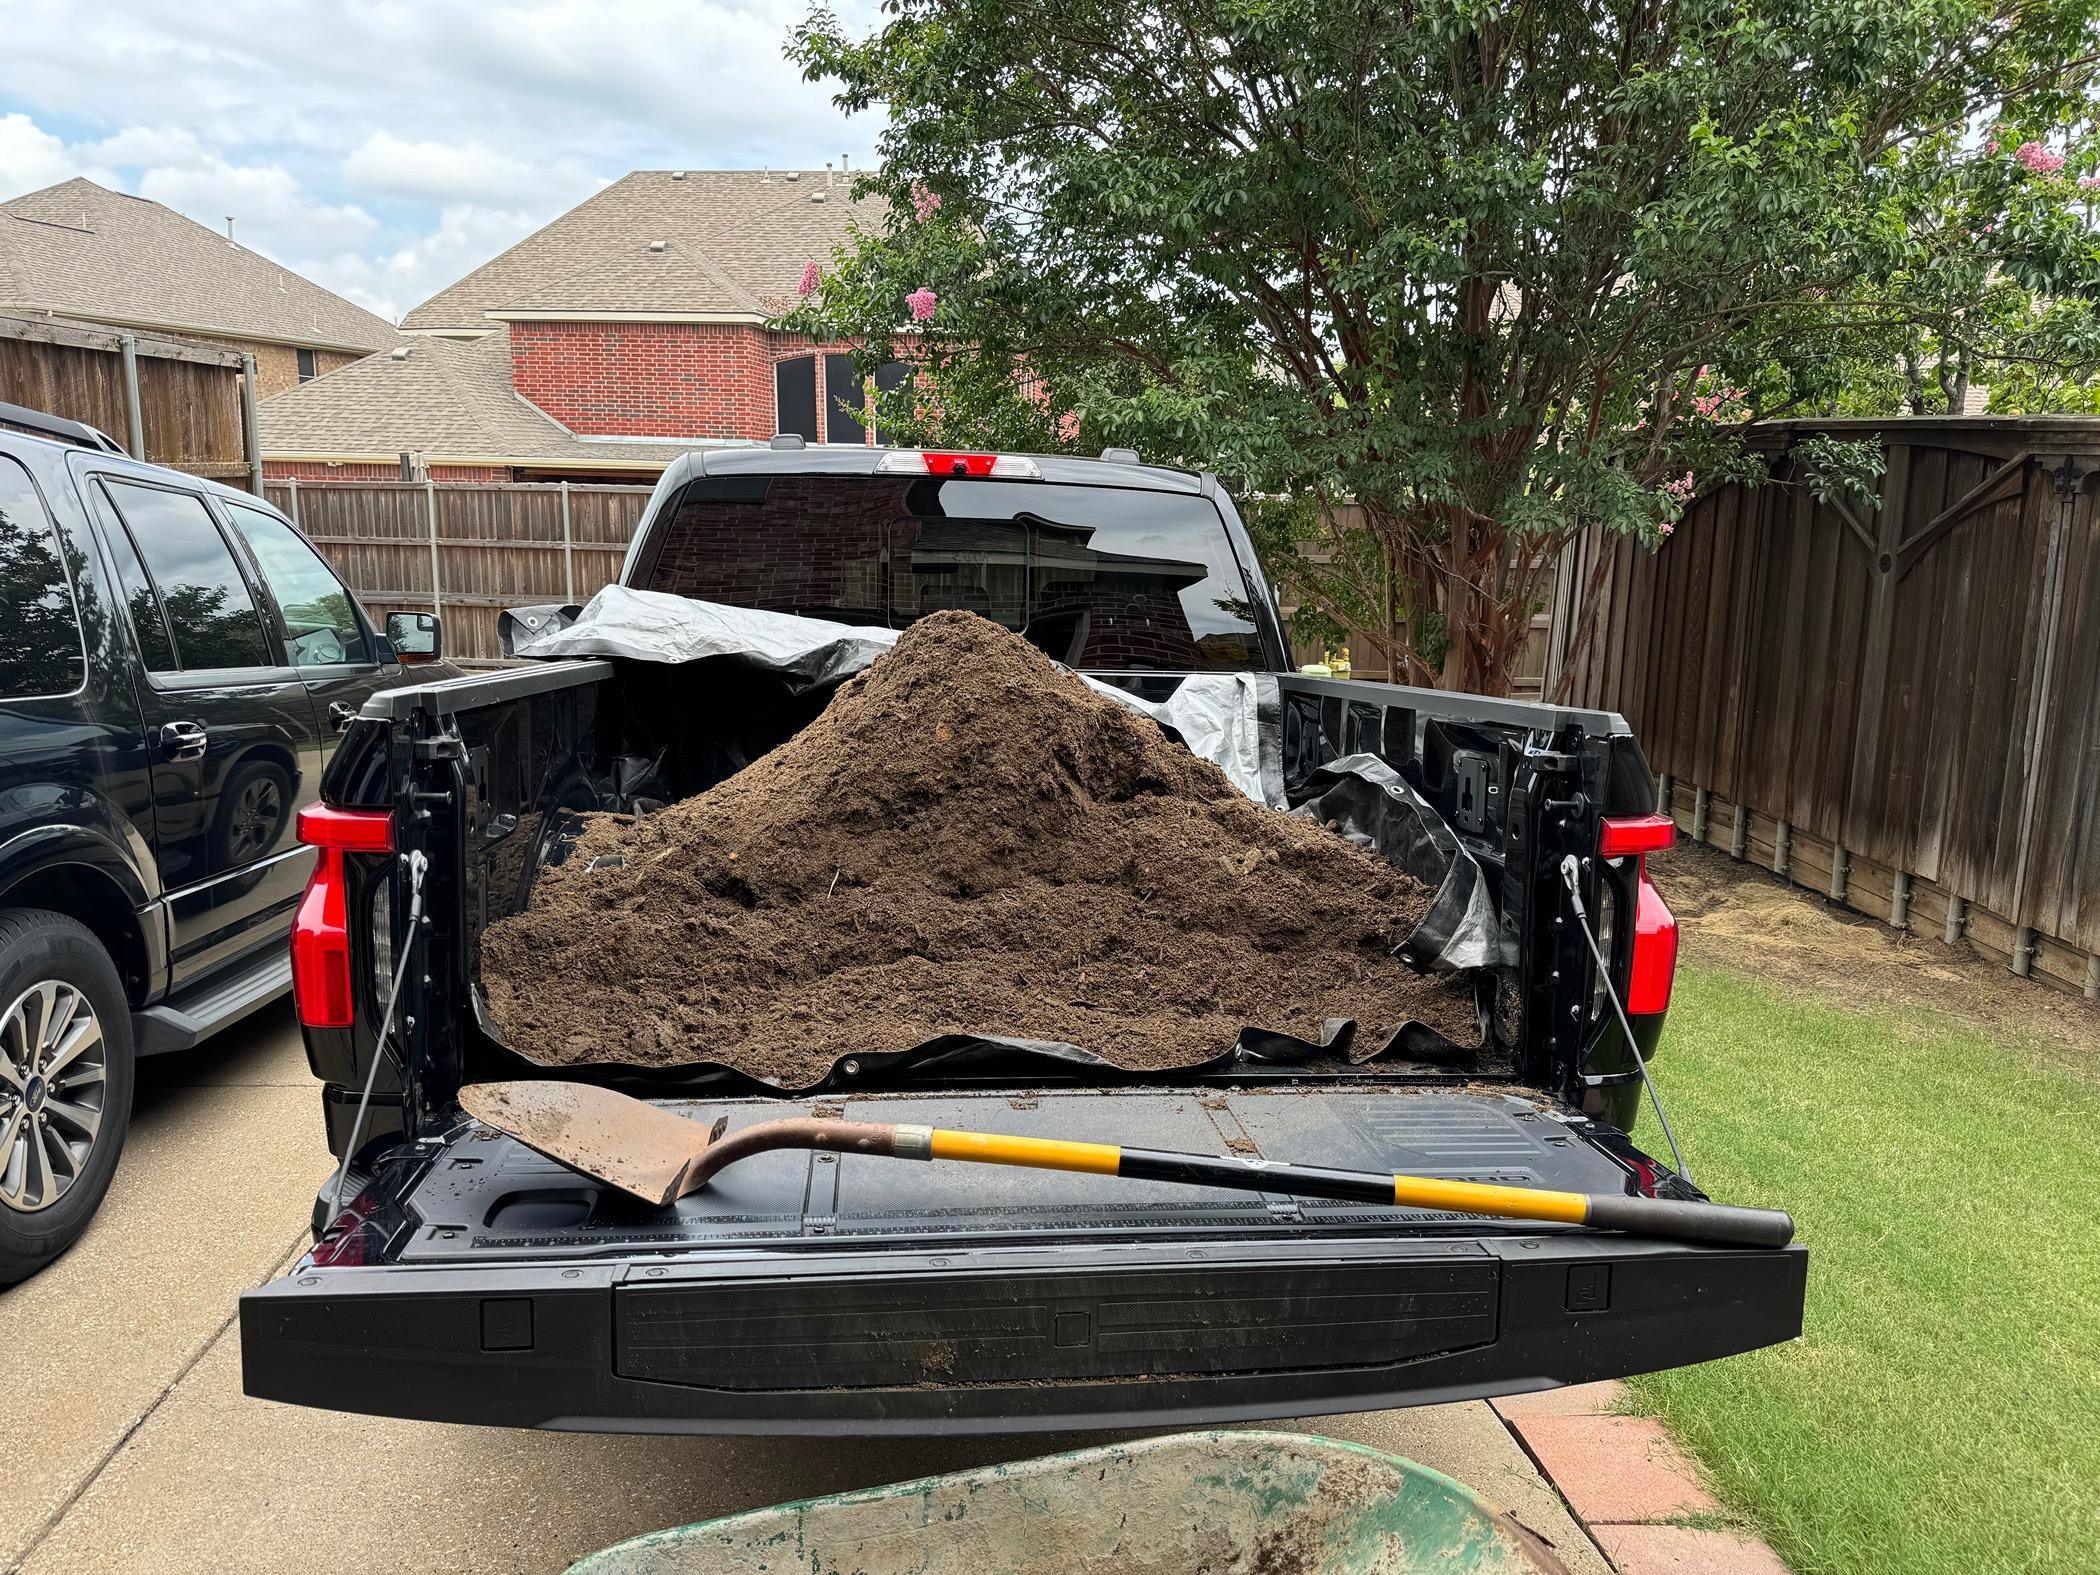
(1629, 1484)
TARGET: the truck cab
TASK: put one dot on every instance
(457, 1275)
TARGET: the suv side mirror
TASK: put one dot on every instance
(415, 637)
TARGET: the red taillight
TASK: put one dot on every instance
(959, 464)
(321, 928)
(1654, 952)
(1634, 834)
(351, 830)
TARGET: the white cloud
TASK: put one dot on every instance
(31, 158)
(465, 237)
(384, 165)
(273, 211)
(385, 150)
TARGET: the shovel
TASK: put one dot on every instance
(658, 1157)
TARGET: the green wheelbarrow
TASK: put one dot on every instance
(1214, 1503)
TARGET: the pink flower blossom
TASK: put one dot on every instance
(2038, 158)
(1667, 528)
(1991, 146)
(812, 276)
(925, 201)
(1707, 404)
(2088, 182)
(922, 301)
(1682, 488)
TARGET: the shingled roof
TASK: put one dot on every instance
(447, 400)
(82, 250)
(733, 245)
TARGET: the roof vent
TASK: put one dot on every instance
(656, 246)
(1121, 456)
(678, 174)
(794, 174)
(403, 352)
(816, 196)
(787, 440)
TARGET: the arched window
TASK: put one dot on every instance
(795, 396)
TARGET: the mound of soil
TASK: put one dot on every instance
(967, 840)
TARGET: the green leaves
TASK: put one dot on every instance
(1471, 264)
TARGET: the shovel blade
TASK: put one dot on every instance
(624, 1142)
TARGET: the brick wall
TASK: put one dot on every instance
(277, 366)
(704, 380)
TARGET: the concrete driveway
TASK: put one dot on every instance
(129, 1445)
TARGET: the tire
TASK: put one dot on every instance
(253, 808)
(54, 976)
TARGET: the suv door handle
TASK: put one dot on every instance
(340, 716)
(183, 740)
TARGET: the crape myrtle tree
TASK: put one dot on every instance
(1494, 271)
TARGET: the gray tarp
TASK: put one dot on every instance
(1216, 715)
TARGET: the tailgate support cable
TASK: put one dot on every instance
(417, 863)
(1570, 874)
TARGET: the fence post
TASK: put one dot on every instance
(1840, 873)
(251, 424)
(295, 500)
(2092, 977)
(1702, 806)
(437, 598)
(1957, 916)
(135, 421)
(1739, 844)
(2067, 478)
(568, 551)
(1899, 901)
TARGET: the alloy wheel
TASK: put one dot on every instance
(54, 1071)
(255, 816)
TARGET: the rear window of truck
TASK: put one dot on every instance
(1108, 578)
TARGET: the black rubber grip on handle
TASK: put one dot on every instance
(1716, 1223)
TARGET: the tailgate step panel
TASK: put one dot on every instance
(946, 1330)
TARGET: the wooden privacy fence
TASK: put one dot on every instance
(166, 400)
(465, 552)
(1896, 703)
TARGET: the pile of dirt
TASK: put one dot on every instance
(967, 840)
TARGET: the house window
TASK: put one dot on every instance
(795, 396)
(307, 370)
(845, 401)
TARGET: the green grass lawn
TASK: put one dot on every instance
(1942, 1410)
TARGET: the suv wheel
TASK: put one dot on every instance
(253, 808)
(65, 1084)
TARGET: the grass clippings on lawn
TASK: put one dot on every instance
(1942, 1411)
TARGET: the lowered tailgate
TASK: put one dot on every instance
(479, 1282)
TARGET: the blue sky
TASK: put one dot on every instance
(384, 149)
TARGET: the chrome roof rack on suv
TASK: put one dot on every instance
(22, 419)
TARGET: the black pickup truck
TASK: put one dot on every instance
(457, 1276)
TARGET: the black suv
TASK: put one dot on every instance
(175, 665)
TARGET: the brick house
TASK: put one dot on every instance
(81, 251)
(631, 328)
